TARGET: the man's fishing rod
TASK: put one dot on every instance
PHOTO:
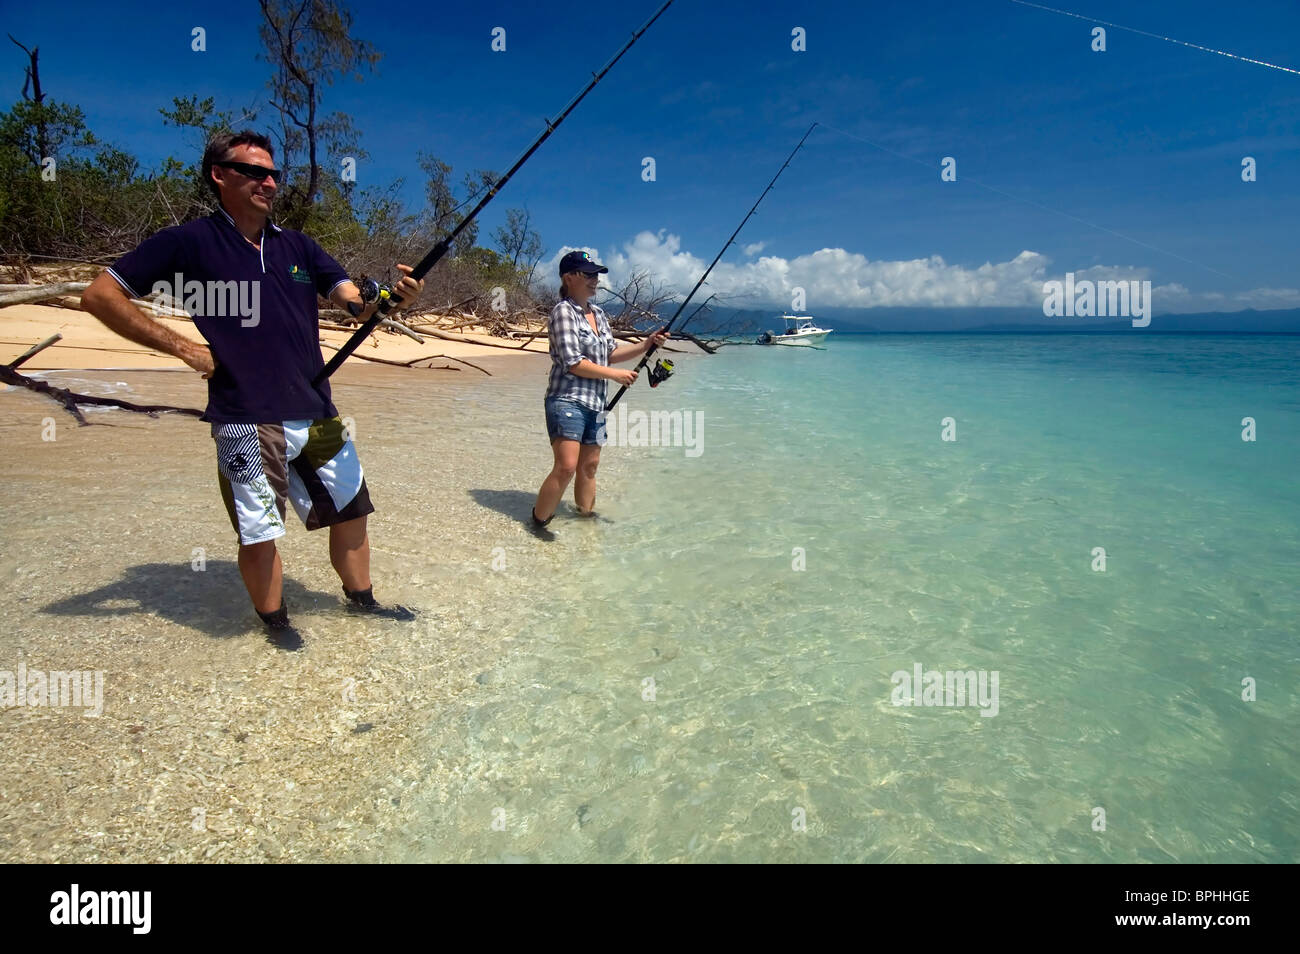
(387, 300)
(658, 374)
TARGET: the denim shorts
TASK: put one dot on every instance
(572, 421)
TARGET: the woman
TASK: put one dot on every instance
(582, 350)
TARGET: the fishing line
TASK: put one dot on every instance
(1157, 36)
(660, 374)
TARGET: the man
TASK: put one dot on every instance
(251, 288)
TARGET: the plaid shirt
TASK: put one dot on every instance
(572, 340)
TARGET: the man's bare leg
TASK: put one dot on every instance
(350, 554)
(259, 565)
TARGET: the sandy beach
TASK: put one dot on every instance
(118, 560)
(87, 343)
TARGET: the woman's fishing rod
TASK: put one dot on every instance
(387, 300)
(656, 375)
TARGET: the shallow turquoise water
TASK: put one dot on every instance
(770, 704)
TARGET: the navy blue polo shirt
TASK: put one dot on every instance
(256, 309)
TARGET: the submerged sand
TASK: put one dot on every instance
(117, 561)
(213, 745)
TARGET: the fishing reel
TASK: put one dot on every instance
(371, 290)
(661, 372)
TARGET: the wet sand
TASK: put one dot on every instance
(213, 745)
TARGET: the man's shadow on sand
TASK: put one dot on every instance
(212, 600)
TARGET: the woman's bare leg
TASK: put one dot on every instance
(584, 490)
(557, 481)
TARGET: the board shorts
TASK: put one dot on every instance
(572, 421)
(314, 464)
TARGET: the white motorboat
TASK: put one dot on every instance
(798, 331)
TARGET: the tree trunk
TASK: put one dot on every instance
(313, 181)
(33, 75)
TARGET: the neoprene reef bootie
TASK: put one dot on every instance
(363, 601)
(279, 631)
(538, 527)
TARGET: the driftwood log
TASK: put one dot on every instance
(34, 350)
(386, 323)
(36, 294)
(30, 294)
(703, 346)
(70, 399)
(24, 296)
(413, 361)
(448, 336)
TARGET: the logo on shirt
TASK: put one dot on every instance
(299, 274)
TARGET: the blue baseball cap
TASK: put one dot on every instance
(580, 262)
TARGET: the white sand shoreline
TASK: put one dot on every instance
(88, 344)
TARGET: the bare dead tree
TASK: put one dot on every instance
(32, 79)
(640, 297)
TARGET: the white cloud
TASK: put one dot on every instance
(547, 272)
(1265, 298)
(834, 277)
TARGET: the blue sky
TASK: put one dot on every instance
(1144, 140)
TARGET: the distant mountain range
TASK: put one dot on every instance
(994, 321)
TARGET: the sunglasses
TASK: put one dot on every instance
(247, 169)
